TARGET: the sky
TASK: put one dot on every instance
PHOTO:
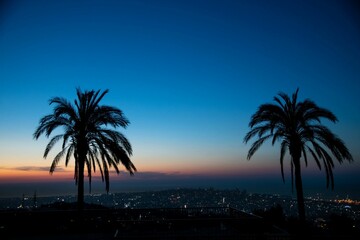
(187, 74)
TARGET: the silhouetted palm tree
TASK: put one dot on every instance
(297, 125)
(86, 137)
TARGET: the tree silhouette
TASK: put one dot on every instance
(86, 137)
(297, 125)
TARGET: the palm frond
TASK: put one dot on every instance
(76, 171)
(303, 151)
(256, 145)
(57, 159)
(52, 142)
(96, 100)
(292, 175)
(88, 166)
(68, 154)
(314, 156)
(108, 115)
(284, 146)
(117, 137)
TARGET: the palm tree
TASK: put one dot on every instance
(297, 125)
(86, 137)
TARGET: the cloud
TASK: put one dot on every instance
(169, 176)
(33, 168)
(157, 174)
(153, 175)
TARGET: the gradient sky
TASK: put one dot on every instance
(187, 74)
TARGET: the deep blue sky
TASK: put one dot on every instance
(188, 74)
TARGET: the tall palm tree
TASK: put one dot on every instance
(86, 137)
(297, 125)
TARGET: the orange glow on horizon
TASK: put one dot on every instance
(67, 174)
(14, 175)
(213, 168)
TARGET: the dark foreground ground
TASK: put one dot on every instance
(193, 223)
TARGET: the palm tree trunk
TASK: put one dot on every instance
(81, 185)
(299, 189)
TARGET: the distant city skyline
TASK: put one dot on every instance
(209, 199)
(147, 181)
(187, 74)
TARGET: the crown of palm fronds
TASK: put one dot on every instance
(297, 125)
(85, 129)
